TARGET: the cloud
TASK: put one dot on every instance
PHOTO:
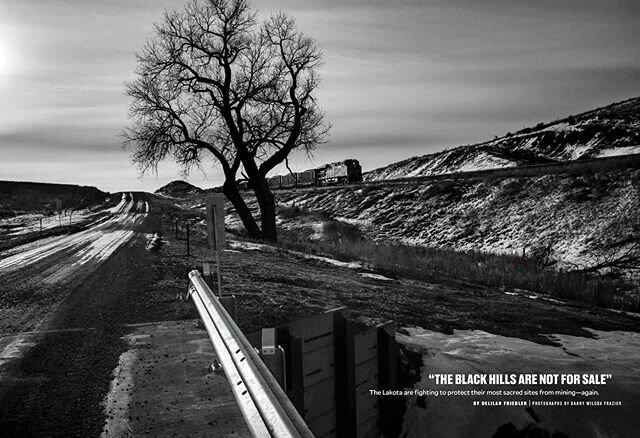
(61, 138)
(400, 78)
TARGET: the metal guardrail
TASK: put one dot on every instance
(264, 405)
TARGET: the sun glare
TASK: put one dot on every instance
(4, 59)
(7, 58)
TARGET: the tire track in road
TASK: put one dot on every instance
(57, 261)
(63, 312)
(97, 242)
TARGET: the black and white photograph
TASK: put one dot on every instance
(330, 219)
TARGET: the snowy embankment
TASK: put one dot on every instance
(477, 352)
(574, 220)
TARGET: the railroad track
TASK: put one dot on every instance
(573, 166)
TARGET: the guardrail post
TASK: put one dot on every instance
(293, 367)
(229, 304)
(208, 275)
(273, 355)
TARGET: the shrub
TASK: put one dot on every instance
(289, 212)
(501, 271)
(338, 231)
(511, 188)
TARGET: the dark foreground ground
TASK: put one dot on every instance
(65, 324)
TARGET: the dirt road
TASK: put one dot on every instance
(64, 303)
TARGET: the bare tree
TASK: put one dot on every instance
(617, 259)
(213, 81)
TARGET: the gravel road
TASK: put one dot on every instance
(64, 304)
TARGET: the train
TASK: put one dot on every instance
(343, 172)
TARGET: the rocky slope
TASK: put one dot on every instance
(608, 131)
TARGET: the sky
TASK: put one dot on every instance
(400, 78)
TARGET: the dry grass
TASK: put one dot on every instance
(435, 264)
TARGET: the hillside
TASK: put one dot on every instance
(567, 220)
(608, 131)
(179, 189)
(21, 197)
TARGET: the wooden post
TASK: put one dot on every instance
(390, 413)
(293, 372)
(59, 210)
(40, 225)
(187, 238)
(219, 275)
(346, 422)
(332, 361)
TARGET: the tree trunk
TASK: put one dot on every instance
(267, 204)
(230, 190)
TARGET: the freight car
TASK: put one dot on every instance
(343, 172)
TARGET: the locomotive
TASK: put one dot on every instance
(343, 172)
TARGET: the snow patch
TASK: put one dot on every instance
(617, 151)
(475, 351)
(334, 262)
(375, 276)
(250, 246)
(16, 348)
(116, 403)
(483, 161)
(153, 241)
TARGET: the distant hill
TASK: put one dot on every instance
(18, 196)
(179, 189)
(608, 131)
